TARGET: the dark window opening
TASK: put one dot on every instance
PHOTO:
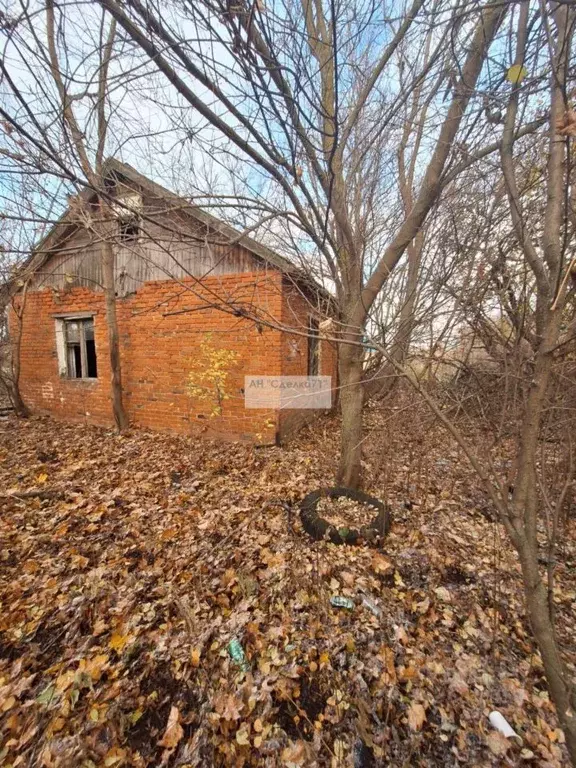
(313, 347)
(110, 184)
(80, 349)
(91, 360)
(129, 231)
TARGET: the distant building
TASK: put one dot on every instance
(177, 268)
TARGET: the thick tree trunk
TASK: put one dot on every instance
(525, 520)
(20, 407)
(13, 385)
(562, 688)
(120, 416)
(350, 369)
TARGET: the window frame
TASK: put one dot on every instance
(313, 362)
(63, 346)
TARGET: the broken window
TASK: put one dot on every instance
(80, 349)
(129, 231)
(313, 347)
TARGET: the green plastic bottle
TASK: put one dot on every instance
(342, 602)
(236, 653)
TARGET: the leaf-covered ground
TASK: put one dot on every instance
(129, 563)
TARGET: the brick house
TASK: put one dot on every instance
(187, 285)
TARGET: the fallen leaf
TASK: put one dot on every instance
(114, 756)
(295, 754)
(339, 749)
(443, 594)
(100, 626)
(8, 703)
(243, 737)
(46, 696)
(497, 743)
(381, 564)
(416, 716)
(117, 642)
(174, 731)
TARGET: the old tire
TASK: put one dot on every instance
(319, 528)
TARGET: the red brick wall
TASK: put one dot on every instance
(157, 348)
(297, 308)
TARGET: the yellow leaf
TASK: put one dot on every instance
(42, 478)
(416, 716)
(94, 715)
(57, 724)
(339, 748)
(8, 703)
(195, 657)
(174, 730)
(117, 642)
(94, 667)
(516, 73)
(265, 667)
(398, 580)
(65, 680)
(242, 737)
(114, 756)
(258, 725)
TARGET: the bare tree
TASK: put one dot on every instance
(517, 299)
(64, 84)
(312, 98)
(93, 174)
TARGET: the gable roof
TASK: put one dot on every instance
(49, 242)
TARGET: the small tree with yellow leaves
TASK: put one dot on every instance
(208, 378)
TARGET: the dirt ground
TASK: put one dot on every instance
(128, 564)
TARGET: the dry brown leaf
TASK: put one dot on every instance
(381, 564)
(174, 731)
(566, 125)
(497, 743)
(295, 754)
(230, 708)
(459, 685)
(416, 716)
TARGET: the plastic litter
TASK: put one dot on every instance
(371, 605)
(342, 602)
(236, 653)
(499, 722)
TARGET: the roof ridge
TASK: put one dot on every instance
(112, 164)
